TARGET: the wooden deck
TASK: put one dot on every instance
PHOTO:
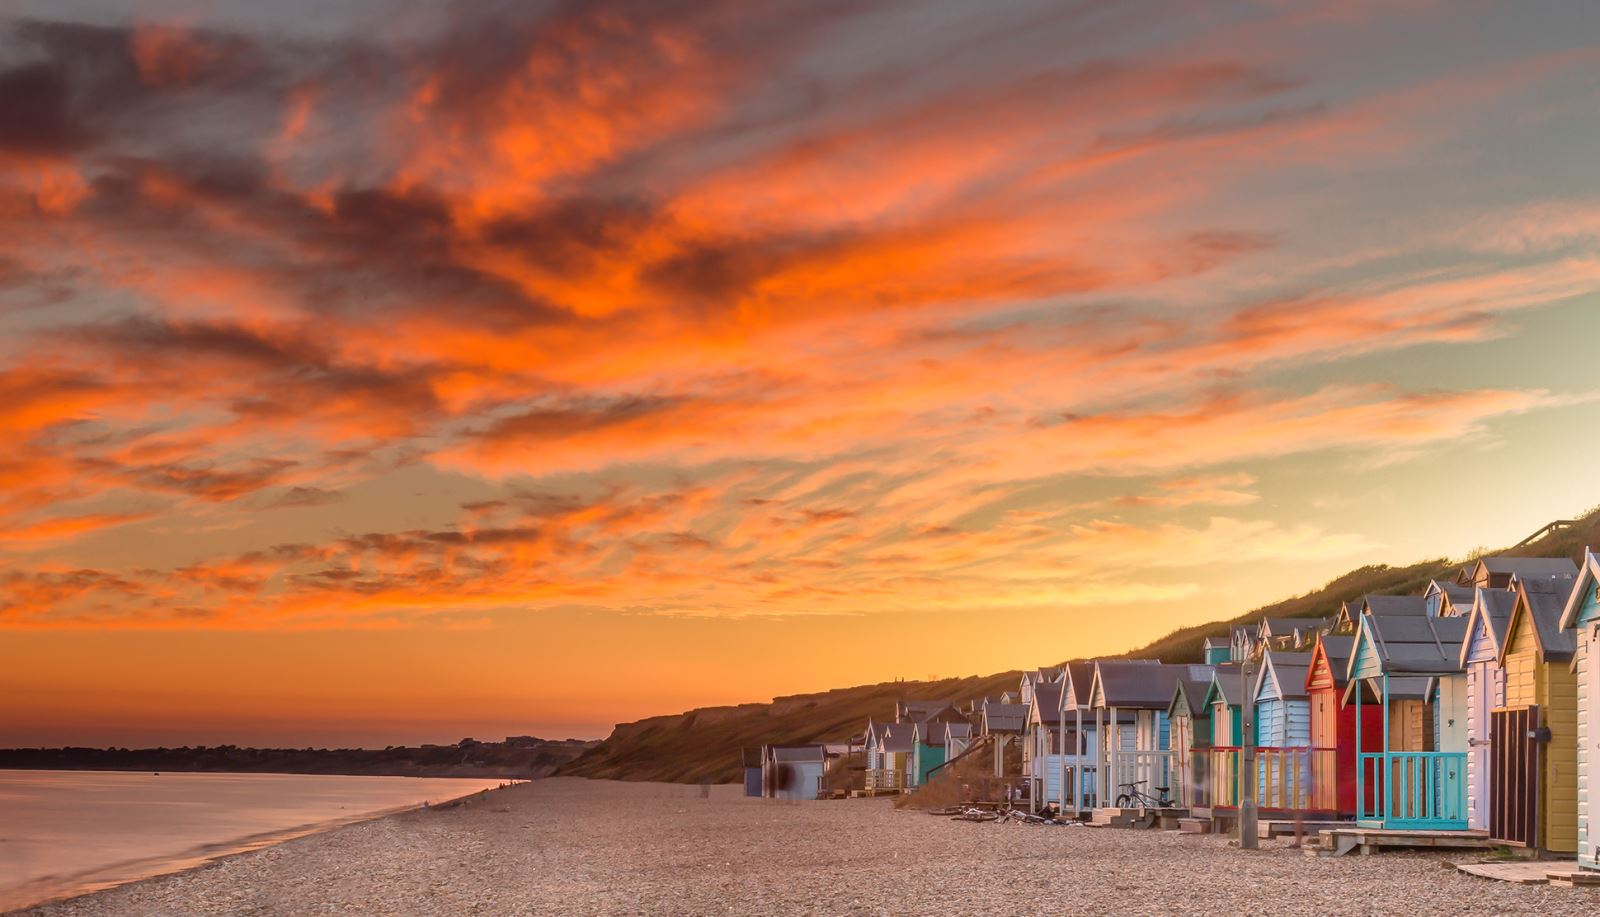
(1340, 841)
(1534, 872)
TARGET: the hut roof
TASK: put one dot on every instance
(915, 711)
(1337, 649)
(1216, 641)
(1280, 627)
(1047, 702)
(1287, 672)
(958, 730)
(1412, 644)
(1528, 567)
(1582, 588)
(1189, 696)
(1395, 604)
(796, 753)
(897, 737)
(1225, 684)
(1077, 682)
(1544, 601)
(1492, 608)
(1141, 686)
(1005, 717)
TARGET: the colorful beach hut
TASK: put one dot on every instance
(928, 750)
(1130, 706)
(1081, 738)
(1581, 619)
(1334, 744)
(1283, 731)
(1042, 762)
(1190, 740)
(1391, 672)
(1533, 787)
(1486, 691)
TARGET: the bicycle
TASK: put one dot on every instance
(1131, 797)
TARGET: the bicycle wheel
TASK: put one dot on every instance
(1124, 801)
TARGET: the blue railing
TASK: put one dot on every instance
(1414, 789)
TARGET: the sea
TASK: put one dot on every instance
(65, 833)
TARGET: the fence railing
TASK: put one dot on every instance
(1150, 769)
(885, 778)
(1288, 778)
(1414, 789)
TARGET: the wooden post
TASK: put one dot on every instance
(1388, 781)
(1361, 766)
(1077, 762)
(1248, 839)
(1100, 757)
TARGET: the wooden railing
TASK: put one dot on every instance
(1294, 778)
(1414, 789)
(1147, 769)
(885, 778)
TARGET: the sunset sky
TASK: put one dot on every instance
(382, 372)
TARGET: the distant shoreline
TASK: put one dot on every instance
(55, 890)
(510, 760)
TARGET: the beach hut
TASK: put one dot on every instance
(1334, 743)
(1190, 740)
(1278, 633)
(928, 750)
(1392, 668)
(1216, 650)
(1137, 753)
(1224, 699)
(957, 739)
(1081, 740)
(896, 750)
(1003, 723)
(1581, 619)
(1449, 599)
(794, 771)
(1042, 747)
(1533, 787)
(870, 743)
(1486, 691)
(1283, 731)
(1497, 572)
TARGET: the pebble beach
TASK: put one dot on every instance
(573, 846)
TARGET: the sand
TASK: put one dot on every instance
(571, 846)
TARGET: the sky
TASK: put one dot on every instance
(386, 372)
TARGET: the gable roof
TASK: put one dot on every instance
(1528, 566)
(796, 753)
(1140, 685)
(1542, 602)
(1225, 684)
(1335, 650)
(1077, 681)
(915, 711)
(1004, 717)
(1046, 706)
(897, 737)
(1287, 672)
(1280, 627)
(1588, 576)
(957, 731)
(1411, 644)
(1189, 697)
(1394, 604)
(1491, 610)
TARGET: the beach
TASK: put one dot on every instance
(573, 846)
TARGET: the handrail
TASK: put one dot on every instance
(1414, 789)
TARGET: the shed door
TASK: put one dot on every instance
(1514, 776)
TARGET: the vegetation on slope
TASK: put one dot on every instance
(704, 744)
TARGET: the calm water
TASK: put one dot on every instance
(63, 832)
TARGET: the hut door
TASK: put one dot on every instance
(1514, 776)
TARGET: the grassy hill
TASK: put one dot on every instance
(704, 744)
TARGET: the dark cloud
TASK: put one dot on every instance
(574, 417)
(299, 497)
